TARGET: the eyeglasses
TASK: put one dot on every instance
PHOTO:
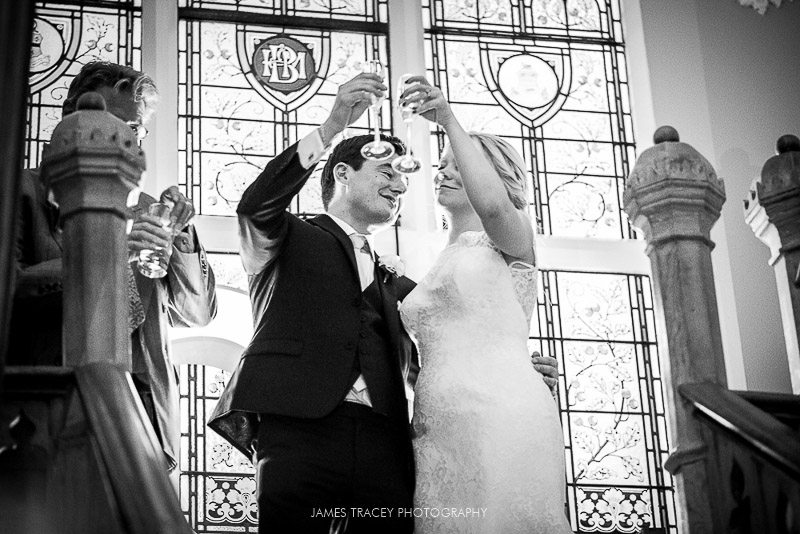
(138, 130)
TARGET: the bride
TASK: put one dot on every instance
(488, 436)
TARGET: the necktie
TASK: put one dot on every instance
(361, 244)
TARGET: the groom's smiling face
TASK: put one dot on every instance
(374, 192)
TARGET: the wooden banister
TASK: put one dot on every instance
(743, 421)
(66, 412)
(752, 460)
(783, 407)
(130, 451)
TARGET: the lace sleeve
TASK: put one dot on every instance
(524, 276)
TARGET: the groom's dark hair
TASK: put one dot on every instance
(349, 151)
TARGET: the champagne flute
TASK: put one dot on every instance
(153, 263)
(377, 149)
(407, 163)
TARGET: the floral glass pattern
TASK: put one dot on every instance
(600, 327)
(217, 486)
(66, 36)
(550, 77)
(230, 126)
(357, 10)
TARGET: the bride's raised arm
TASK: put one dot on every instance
(505, 221)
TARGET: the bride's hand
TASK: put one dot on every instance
(433, 105)
(548, 367)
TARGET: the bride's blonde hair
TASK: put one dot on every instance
(508, 164)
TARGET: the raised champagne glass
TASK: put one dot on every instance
(377, 149)
(407, 163)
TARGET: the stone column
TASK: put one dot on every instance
(773, 212)
(93, 165)
(674, 197)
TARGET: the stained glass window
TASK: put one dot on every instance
(352, 10)
(550, 77)
(231, 123)
(217, 487)
(66, 36)
(601, 329)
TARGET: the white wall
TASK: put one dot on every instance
(727, 78)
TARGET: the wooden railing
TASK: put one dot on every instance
(80, 455)
(752, 461)
(85, 457)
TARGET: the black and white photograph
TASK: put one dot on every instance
(400, 266)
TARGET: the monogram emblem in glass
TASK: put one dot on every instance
(406, 163)
(377, 149)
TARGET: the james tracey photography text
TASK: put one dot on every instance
(319, 513)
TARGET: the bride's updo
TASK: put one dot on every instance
(509, 166)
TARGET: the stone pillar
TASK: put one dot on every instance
(674, 196)
(773, 212)
(93, 165)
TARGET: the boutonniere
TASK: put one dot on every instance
(391, 264)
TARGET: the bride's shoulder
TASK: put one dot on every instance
(475, 238)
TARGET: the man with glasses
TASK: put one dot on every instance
(184, 297)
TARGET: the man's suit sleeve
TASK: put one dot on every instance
(263, 219)
(191, 285)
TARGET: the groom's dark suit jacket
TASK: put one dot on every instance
(309, 314)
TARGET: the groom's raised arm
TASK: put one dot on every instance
(263, 219)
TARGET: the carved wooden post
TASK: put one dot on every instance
(773, 212)
(92, 165)
(674, 196)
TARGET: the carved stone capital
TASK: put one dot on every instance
(673, 192)
(93, 160)
(773, 208)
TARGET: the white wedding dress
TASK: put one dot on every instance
(488, 432)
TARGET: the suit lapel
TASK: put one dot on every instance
(328, 224)
(400, 341)
(389, 301)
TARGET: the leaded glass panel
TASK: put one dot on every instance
(231, 125)
(560, 98)
(593, 19)
(601, 328)
(217, 486)
(66, 36)
(357, 10)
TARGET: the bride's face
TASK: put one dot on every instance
(450, 192)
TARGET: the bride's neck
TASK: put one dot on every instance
(462, 222)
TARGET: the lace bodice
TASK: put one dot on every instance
(469, 287)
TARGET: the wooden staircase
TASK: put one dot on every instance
(83, 456)
(735, 455)
(752, 457)
(77, 451)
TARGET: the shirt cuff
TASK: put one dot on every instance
(310, 149)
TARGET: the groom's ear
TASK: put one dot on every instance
(341, 172)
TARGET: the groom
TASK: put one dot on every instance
(319, 396)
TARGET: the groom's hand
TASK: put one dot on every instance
(548, 367)
(352, 100)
